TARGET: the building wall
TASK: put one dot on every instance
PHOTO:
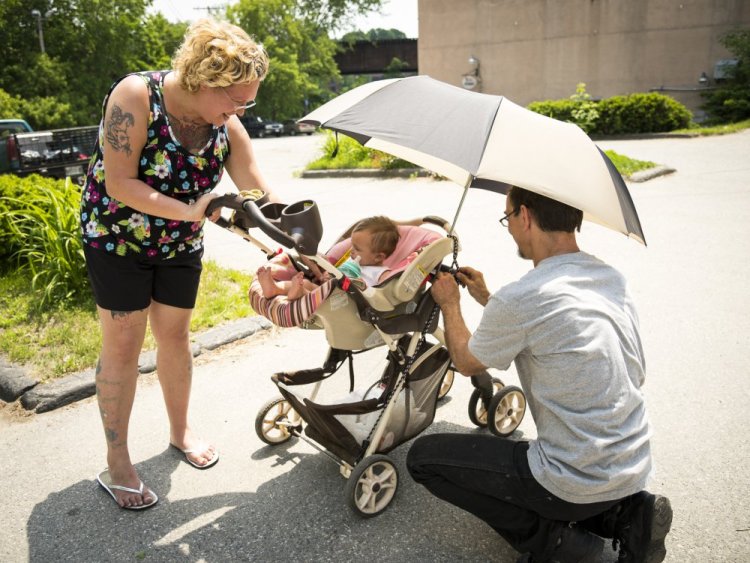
(541, 49)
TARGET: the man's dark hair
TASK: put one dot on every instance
(550, 215)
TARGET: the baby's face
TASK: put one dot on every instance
(362, 247)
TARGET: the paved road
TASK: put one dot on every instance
(287, 504)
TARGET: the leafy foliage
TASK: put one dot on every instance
(335, 14)
(626, 165)
(634, 113)
(301, 53)
(641, 113)
(43, 231)
(730, 100)
(344, 152)
(373, 36)
(91, 43)
(585, 111)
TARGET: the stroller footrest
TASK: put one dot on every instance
(300, 377)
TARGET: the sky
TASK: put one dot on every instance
(398, 14)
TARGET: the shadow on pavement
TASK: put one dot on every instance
(300, 515)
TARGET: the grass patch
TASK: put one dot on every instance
(710, 130)
(348, 153)
(66, 338)
(626, 165)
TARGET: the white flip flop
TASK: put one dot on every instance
(105, 481)
(202, 448)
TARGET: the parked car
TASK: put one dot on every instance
(291, 127)
(259, 127)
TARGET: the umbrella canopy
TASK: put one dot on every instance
(483, 141)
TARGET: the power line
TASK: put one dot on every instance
(212, 10)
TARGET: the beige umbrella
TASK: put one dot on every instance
(483, 141)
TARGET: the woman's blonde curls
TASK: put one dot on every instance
(218, 54)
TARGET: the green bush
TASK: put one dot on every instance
(43, 231)
(579, 109)
(561, 110)
(641, 113)
(618, 115)
(727, 105)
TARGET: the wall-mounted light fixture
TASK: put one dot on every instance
(703, 79)
(472, 80)
(475, 63)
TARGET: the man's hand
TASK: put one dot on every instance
(445, 289)
(474, 282)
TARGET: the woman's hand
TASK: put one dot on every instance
(197, 209)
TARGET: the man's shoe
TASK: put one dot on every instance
(575, 545)
(641, 528)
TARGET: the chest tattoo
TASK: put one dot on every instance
(192, 135)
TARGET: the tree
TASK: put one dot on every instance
(373, 36)
(89, 44)
(301, 53)
(333, 15)
(730, 100)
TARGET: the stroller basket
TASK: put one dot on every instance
(346, 429)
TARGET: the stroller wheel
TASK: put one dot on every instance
(478, 407)
(371, 486)
(274, 420)
(507, 408)
(446, 383)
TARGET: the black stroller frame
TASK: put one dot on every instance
(397, 407)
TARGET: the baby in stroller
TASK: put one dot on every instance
(372, 241)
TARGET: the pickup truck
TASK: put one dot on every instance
(57, 153)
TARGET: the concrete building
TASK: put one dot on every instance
(532, 50)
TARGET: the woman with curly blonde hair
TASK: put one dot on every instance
(164, 141)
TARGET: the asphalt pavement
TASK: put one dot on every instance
(287, 503)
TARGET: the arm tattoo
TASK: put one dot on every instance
(117, 129)
(191, 134)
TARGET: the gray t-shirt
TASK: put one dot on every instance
(572, 329)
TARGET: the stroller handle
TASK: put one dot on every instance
(252, 217)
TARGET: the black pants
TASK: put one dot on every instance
(490, 477)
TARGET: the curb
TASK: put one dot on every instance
(637, 136)
(650, 173)
(367, 173)
(44, 397)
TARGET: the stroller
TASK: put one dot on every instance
(399, 313)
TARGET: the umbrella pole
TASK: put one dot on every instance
(460, 204)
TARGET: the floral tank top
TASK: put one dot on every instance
(166, 166)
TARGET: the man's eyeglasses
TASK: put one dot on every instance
(242, 107)
(504, 220)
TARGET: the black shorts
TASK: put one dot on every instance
(129, 283)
